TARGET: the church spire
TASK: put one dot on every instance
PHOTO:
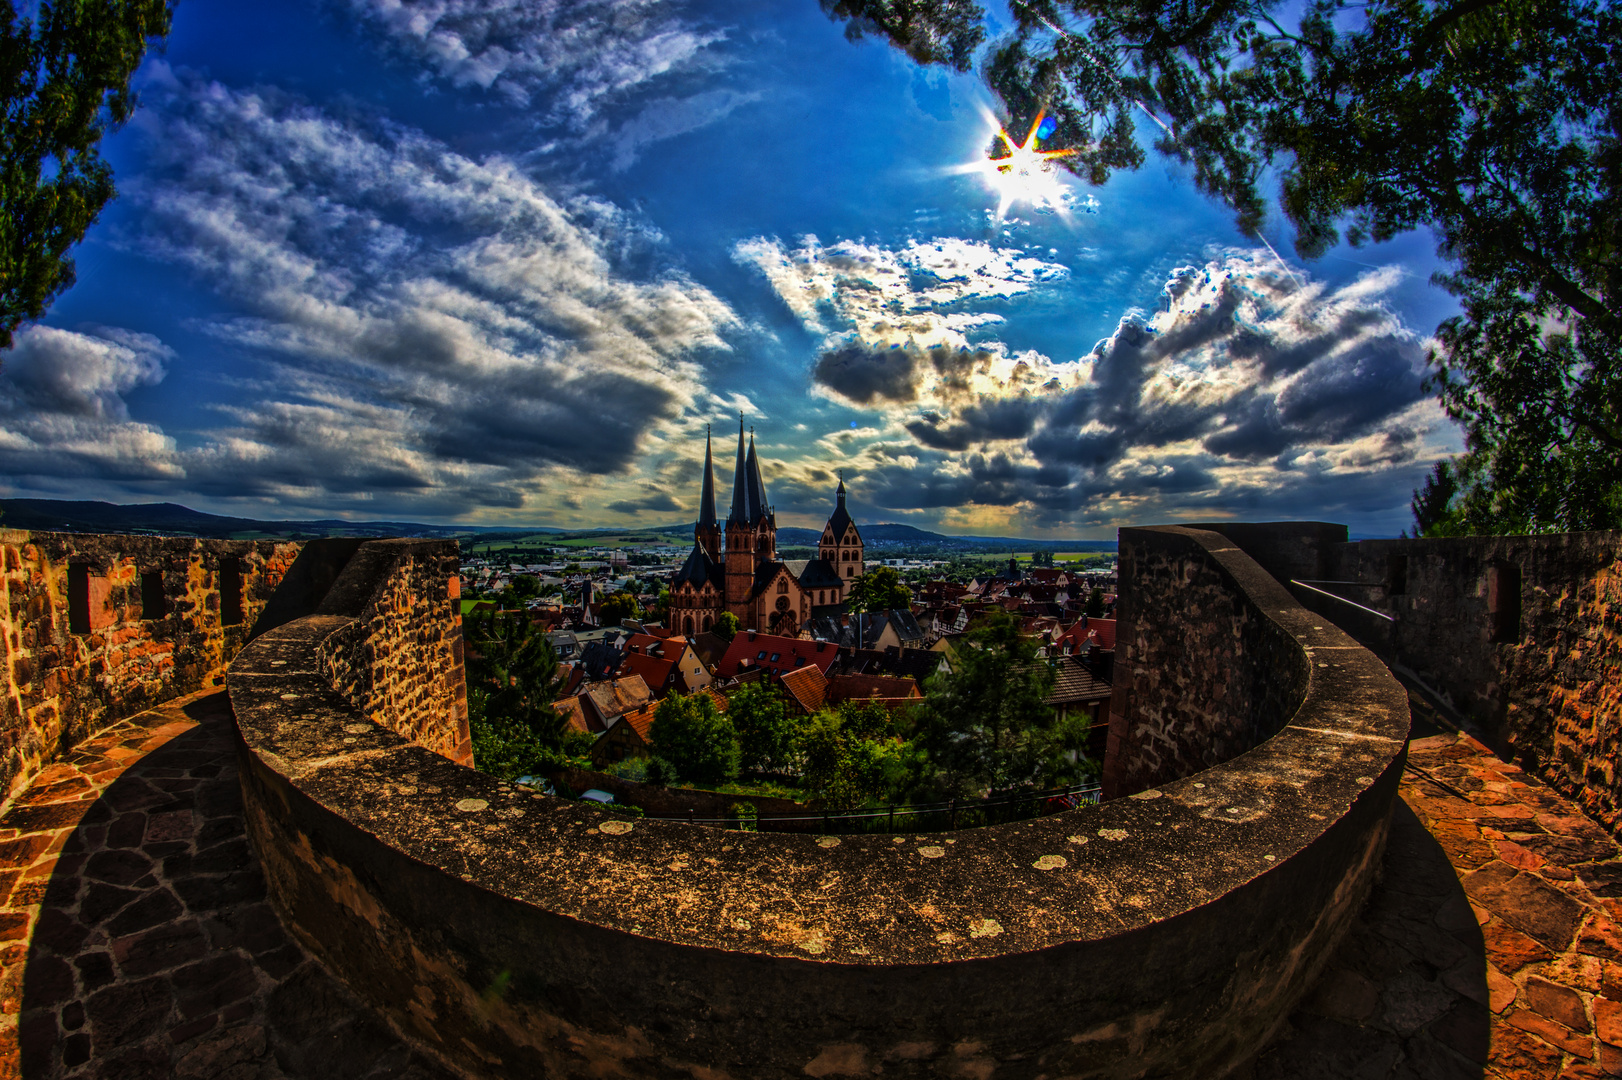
(706, 503)
(757, 487)
(740, 485)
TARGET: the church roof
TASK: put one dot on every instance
(764, 573)
(700, 568)
(814, 573)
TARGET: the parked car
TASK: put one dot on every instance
(596, 795)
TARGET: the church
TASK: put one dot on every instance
(745, 576)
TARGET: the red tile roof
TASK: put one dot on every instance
(658, 673)
(751, 650)
(807, 687)
(857, 687)
(1100, 631)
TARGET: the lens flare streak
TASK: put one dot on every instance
(1025, 173)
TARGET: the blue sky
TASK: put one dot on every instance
(503, 261)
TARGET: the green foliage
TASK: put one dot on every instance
(726, 626)
(1095, 604)
(987, 726)
(694, 739)
(617, 608)
(880, 589)
(512, 679)
(1494, 124)
(66, 83)
(849, 757)
(766, 732)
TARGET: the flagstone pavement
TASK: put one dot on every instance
(137, 941)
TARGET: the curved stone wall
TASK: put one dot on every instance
(1160, 935)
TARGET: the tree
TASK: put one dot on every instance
(986, 725)
(726, 626)
(696, 739)
(850, 758)
(1493, 122)
(66, 84)
(766, 732)
(619, 607)
(880, 589)
(512, 679)
(1095, 603)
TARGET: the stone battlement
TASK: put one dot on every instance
(512, 933)
(95, 628)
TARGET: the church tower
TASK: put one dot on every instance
(741, 536)
(841, 545)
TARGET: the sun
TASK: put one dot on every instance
(1025, 173)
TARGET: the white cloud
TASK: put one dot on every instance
(880, 296)
(63, 408)
(436, 330)
(575, 54)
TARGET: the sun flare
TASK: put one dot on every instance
(1024, 174)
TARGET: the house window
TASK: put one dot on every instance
(761, 655)
(776, 656)
(687, 624)
(152, 605)
(820, 597)
(782, 585)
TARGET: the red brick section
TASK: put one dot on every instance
(1489, 949)
(134, 930)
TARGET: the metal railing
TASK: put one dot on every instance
(938, 816)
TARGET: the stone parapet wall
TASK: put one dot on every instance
(399, 662)
(1204, 670)
(514, 934)
(1522, 635)
(65, 682)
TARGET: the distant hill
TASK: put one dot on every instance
(886, 535)
(172, 519)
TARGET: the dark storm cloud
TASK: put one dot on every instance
(865, 375)
(656, 500)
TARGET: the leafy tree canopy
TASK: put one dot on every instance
(766, 732)
(880, 589)
(65, 77)
(619, 607)
(695, 738)
(512, 679)
(726, 626)
(1492, 122)
(987, 726)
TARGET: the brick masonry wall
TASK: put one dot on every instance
(1201, 674)
(1546, 688)
(400, 662)
(62, 687)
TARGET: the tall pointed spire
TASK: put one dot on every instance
(757, 488)
(706, 503)
(740, 485)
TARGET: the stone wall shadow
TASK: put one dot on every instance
(156, 955)
(1405, 995)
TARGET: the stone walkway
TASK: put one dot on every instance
(135, 934)
(137, 941)
(1489, 947)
